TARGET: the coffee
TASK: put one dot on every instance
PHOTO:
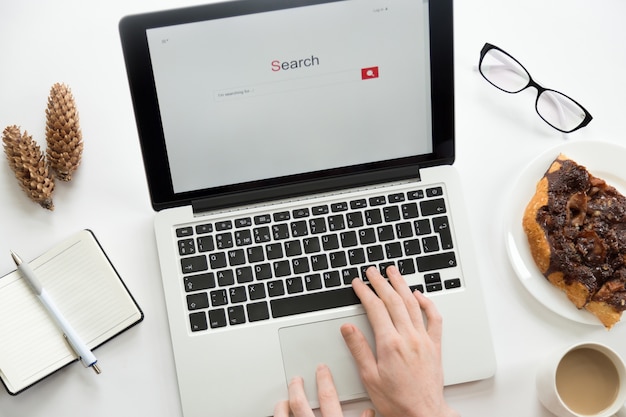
(587, 381)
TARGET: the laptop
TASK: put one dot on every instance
(288, 145)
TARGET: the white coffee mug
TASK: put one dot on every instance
(585, 380)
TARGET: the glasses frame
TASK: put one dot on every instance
(531, 83)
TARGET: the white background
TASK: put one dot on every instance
(575, 46)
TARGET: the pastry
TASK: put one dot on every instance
(576, 228)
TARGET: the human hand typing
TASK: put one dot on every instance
(405, 377)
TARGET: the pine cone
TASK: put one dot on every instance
(65, 146)
(28, 163)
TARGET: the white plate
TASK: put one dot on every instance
(603, 160)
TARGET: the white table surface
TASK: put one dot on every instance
(575, 46)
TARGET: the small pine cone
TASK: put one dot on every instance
(29, 165)
(63, 135)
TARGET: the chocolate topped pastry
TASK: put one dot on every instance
(576, 228)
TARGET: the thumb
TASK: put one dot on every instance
(359, 348)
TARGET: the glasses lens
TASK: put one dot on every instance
(503, 71)
(560, 111)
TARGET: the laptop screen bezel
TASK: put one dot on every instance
(152, 141)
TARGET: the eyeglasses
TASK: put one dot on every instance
(506, 73)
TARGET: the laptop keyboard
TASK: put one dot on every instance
(272, 264)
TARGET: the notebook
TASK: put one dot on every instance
(88, 291)
(288, 145)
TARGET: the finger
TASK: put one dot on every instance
(368, 413)
(433, 317)
(297, 399)
(393, 301)
(361, 351)
(402, 288)
(281, 409)
(374, 307)
(327, 393)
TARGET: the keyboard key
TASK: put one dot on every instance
(236, 257)
(294, 285)
(330, 242)
(409, 211)
(358, 204)
(243, 237)
(311, 245)
(197, 301)
(217, 318)
(336, 223)
(300, 265)
(415, 195)
(244, 274)
(441, 226)
(224, 240)
(377, 201)
(274, 251)
(256, 291)
(202, 229)
(367, 236)
(205, 244)
(404, 230)
(422, 227)
(217, 260)
(313, 282)
(243, 222)
(375, 253)
(437, 261)
(236, 315)
(293, 248)
(396, 198)
(299, 228)
(348, 239)
(385, 233)
(391, 214)
(280, 231)
(225, 278)
(186, 247)
(224, 225)
(319, 262)
(199, 282)
(218, 298)
(275, 288)
(184, 231)
(434, 192)
(282, 216)
(198, 321)
(393, 250)
(281, 268)
(255, 254)
(316, 301)
(338, 259)
(319, 210)
(262, 219)
(452, 283)
(412, 247)
(356, 256)
(337, 207)
(258, 311)
(354, 219)
(262, 271)
(331, 279)
(406, 266)
(430, 244)
(349, 274)
(373, 216)
(431, 207)
(317, 225)
(237, 294)
(193, 264)
(300, 213)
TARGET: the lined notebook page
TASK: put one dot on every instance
(88, 292)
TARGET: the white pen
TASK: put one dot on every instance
(80, 348)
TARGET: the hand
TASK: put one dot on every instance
(326, 393)
(405, 378)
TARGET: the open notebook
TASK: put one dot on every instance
(89, 292)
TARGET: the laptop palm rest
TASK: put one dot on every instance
(308, 345)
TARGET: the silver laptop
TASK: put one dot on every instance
(288, 146)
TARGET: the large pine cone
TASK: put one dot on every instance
(29, 165)
(63, 135)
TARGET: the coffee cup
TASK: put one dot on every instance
(586, 379)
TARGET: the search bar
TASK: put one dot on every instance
(296, 84)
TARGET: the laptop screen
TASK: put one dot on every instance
(302, 92)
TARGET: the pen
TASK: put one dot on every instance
(86, 356)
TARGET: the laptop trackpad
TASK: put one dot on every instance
(306, 346)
